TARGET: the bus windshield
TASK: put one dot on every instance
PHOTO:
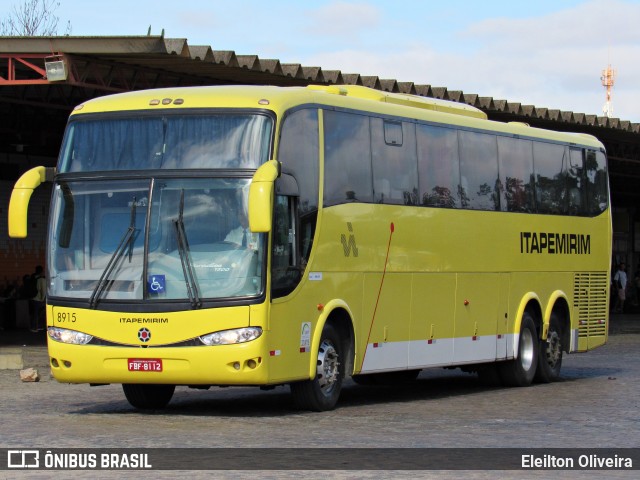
(154, 239)
(170, 141)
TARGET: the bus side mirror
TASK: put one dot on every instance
(261, 196)
(20, 196)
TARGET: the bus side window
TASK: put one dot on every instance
(575, 184)
(479, 165)
(548, 164)
(438, 167)
(393, 154)
(516, 174)
(347, 160)
(596, 182)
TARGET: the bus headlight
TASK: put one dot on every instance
(230, 337)
(68, 336)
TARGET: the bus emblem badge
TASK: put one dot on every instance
(349, 245)
(144, 334)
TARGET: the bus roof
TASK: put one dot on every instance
(280, 99)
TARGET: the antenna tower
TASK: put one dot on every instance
(608, 79)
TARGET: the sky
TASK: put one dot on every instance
(547, 53)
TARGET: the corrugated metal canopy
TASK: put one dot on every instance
(33, 110)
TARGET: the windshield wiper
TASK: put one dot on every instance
(126, 240)
(185, 258)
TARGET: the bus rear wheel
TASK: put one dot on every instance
(520, 371)
(148, 397)
(322, 393)
(550, 359)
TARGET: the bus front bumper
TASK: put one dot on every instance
(239, 364)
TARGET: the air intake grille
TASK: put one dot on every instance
(590, 301)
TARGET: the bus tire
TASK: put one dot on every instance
(322, 393)
(148, 397)
(520, 371)
(550, 356)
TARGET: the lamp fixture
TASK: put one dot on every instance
(56, 68)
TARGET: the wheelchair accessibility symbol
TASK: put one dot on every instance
(156, 284)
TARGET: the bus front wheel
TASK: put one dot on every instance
(148, 397)
(520, 371)
(322, 393)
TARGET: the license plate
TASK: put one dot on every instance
(145, 364)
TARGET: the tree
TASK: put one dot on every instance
(33, 18)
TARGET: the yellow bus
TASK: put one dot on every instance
(252, 235)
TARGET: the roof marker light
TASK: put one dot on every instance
(155, 101)
(263, 101)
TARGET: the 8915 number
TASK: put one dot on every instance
(65, 317)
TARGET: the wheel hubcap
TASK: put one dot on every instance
(526, 349)
(327, 371)
(554, 350)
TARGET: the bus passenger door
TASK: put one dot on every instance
(286, 268)
(288, 312)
